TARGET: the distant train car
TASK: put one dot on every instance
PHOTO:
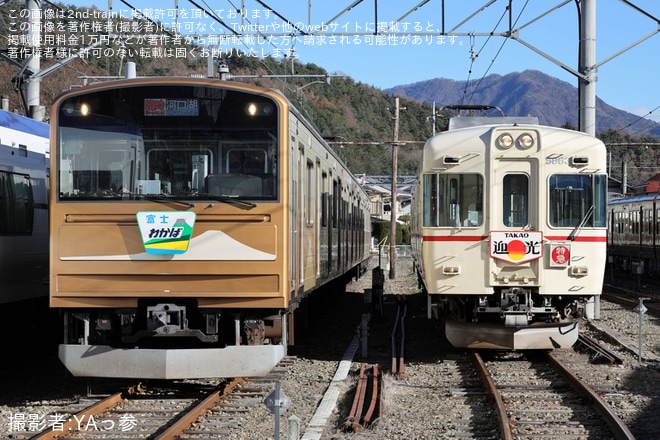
(509, 232)
(189, 219)
(23, 208)
(633, 236)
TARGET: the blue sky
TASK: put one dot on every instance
(627, 81)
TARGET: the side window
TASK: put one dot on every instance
(16, 206)
(516, 200)
(600, 201)
(430, 200)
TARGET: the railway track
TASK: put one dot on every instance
(536, 397)
(178, 410)
(469, 407)
(436, 377)
(631, 298)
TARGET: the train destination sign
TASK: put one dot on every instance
(516, 246)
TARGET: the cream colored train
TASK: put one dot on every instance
(189, 219)
(509, 231)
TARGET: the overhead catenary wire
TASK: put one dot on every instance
(492, 62)
(639, 119)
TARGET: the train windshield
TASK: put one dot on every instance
(180, 141)
(454, 200)
(572, 197)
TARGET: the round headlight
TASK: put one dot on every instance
(251, 109)
(505, 140)
(259, 109)
(525, 141)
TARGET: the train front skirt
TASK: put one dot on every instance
(493, 336)
(231, 361)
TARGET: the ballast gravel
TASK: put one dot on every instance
(32, 384)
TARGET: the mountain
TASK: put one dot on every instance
(528, 93)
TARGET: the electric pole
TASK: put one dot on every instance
(393, 201)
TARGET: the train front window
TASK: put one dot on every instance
(454, 200)
(577, 199)
(187, 142)
(516, 200)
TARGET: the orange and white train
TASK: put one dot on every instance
(509, 231)
(189, 219)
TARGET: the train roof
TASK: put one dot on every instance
(21, 123)
(17, 130)
(473, 121)
(633, 199)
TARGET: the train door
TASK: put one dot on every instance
(318, 193)
(340, 224)
(325, 225)
(297, 219)
(334, 224)
(293, 210)
(515, 222)
(309, 225)
(314, 214)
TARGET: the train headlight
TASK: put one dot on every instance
(76, 110)
(451, 270)
(505, 141)
(579, 271)
(525, 141)
(259, 109)
(251, 109)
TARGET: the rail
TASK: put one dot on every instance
(599, 350)
(501, 394)
(399, 328)
(500, 410)
(71, 424)
(367, 401)
(618, 428)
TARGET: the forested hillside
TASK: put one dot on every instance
(553, 101)
(356, 118)
(357, 115)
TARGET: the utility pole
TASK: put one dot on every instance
(33, 107)
(588, 68)
(433, 116)
(395, 153)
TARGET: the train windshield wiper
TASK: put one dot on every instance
(164, 199)
(580, 225)
(229, 200)
(160, 198)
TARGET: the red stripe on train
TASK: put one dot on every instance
(469, 238)
(474, 238)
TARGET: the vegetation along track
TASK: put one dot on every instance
(172, 410)
(542, 398)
